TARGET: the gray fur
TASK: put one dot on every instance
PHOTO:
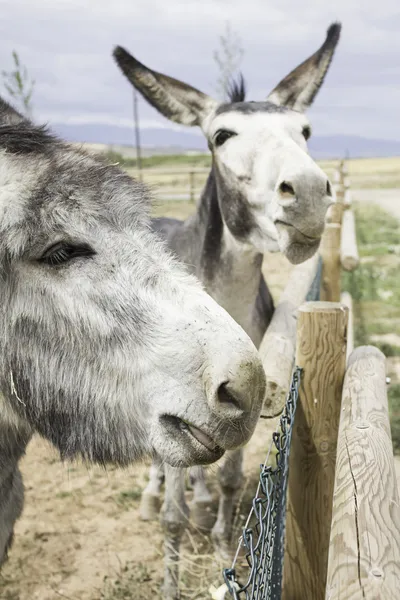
(298, 89)
(264, 193)
(108, 347)
(250, 107)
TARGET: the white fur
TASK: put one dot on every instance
(268, 149)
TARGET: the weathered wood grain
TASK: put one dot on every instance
(330, 252)
(349, 258)
(364, 555)
(321, 352)
(347, 300)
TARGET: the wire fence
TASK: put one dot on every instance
(263, 535)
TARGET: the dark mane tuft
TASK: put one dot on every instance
(237, 89)
(26, 138)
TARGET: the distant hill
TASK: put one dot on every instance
(167, 141)
(352, 146)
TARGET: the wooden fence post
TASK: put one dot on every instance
(347, 300)
(364, 554)
(347, 199)
(321, 352)
(330, 249)
(330, 253)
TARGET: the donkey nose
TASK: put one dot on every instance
(240, 391)
(286, 189)
(292, 190)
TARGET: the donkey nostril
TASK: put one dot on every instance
(225, 396)
(328, 189)
(286, 188)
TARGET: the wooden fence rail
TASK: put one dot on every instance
(364, 555)
(188, 185)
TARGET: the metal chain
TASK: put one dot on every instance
(263, 535)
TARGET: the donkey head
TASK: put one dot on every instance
(107, 347)
(272, 194)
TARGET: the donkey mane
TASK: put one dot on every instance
(20, 136)
(237, 89)
(26, 138)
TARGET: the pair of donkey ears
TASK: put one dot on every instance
(186, 105)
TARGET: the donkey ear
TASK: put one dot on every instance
(175, 100)
(8, 114)
(299, 88)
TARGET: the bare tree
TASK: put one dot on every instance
(228, 58)
(19, 85)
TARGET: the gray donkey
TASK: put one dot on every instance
(264, 193)
(108, 348)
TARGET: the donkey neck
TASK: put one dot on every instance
(229, 269)
(12, 448)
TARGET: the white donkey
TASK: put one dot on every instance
(108, 348)
(264, 193)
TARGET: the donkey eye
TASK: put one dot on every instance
(306, 132)
(63, 252)
(222, 136)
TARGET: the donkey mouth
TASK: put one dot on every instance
(299, 236)
(178, 426)
(294, 244)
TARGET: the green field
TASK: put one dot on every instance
(375, 289)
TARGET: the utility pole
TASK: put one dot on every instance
(137, 134)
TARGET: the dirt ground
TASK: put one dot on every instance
(80, 536)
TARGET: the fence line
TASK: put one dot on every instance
(195, 179)
(356, 555)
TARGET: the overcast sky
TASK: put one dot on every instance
(67, 45)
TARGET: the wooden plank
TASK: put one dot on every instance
(347, 199)
(330, 252)
(364, 555)
(339, 195)
(321, 352)
(347, 300)
(277, 348)
(348, 245)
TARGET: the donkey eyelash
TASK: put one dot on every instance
(222, 135)
(63, 252)
(306, 132)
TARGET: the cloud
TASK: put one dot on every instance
(67, 46)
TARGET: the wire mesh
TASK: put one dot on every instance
(263, 535)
